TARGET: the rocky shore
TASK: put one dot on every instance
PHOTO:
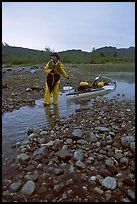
(87, 157)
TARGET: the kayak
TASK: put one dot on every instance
(71, 93)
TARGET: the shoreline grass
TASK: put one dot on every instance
(124, 67)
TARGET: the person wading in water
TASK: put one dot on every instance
(54, 69)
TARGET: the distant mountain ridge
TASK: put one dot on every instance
(106, 49)
(111, 50)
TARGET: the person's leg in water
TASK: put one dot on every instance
(47, 95)
(52, 112)
(48, 112)
(56, 111)
(55, 93)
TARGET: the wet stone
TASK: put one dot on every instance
(102, 129)
(28, 188)
(109, 183)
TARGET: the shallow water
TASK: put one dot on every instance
(15, 123)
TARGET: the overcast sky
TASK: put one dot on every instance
(68, 25)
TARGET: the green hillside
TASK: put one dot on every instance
(24, 56)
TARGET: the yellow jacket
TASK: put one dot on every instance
(61, 70)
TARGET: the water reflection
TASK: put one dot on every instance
(123, 91)
(52, 112)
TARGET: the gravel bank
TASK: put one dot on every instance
(88, 157)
